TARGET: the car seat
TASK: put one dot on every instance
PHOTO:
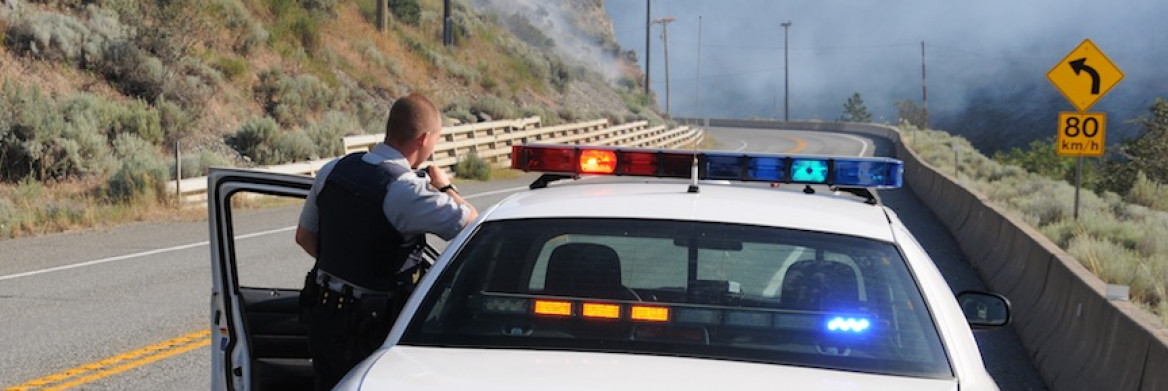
(820, 285)
(586, 270)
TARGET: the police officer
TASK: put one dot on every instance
(365, 222)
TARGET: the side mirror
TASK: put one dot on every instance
(984, 309)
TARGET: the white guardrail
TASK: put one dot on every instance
(490, 141)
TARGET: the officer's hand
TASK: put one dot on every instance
(438, 177)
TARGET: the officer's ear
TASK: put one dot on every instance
(420, 141)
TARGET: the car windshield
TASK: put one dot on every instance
(683, 288)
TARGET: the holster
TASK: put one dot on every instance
(309, 295)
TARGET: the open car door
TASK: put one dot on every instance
(258, 341)
(257, 269)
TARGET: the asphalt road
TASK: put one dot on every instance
(123, 307)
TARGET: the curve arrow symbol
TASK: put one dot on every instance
(1079, 66)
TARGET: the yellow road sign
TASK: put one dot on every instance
(1081, 134)
(1085, 75)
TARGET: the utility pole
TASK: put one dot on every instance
(447, 23)
(786, 76)
(698, 89)
(924, 87)
(665, 38)
(382, 15)
(648, 27)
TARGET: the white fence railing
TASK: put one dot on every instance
(491, 141)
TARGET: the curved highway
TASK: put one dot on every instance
(127, 308)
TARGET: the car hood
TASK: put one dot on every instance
(428, 368)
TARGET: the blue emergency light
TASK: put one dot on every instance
(850, 172)
(848, 324)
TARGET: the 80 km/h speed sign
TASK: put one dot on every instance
(1081, 134)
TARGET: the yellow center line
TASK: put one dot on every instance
(799, 144)
(117, 364)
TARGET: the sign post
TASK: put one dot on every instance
(1083, 76)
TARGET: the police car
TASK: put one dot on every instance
(743, 270)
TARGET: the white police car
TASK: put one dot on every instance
(718, 281)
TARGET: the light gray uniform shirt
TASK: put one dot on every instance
(410, 205)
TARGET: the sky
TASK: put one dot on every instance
(991, 51)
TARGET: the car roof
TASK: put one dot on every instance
(786, 207)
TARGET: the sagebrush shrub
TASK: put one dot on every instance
(197, 164)
(256, 139)
(472, 167)
(328, 133)
(143, 172)
(495, 107)
(293, 100)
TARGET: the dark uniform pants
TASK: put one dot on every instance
(340, 338)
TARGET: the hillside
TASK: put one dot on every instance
(97, 94)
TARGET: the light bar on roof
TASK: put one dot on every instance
(874, 173)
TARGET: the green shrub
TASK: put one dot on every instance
(49, 36)
(256, 139)
(197, 164)
(136, 118)
(461, 114)
(495, 107)
(293, 146)
(231, 67)
(472, 167)
(614, 117)
(374, 56)
(133, 71)
(306, 29)
(368, 10)
(371, 113)
(1119, 265)
(9, 218)
(325, 7)
(292, 100)
(247, 34)
(176, 123)
(143, 172)
(262, 141)
(1148, 193)
(406, 11)
(569, 115)
(40, 140)
(546, 117)
(328, 133)
(459, 109)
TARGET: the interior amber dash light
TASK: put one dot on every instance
(598, 310)
(597, 161)
(551, 307)
(652, 314)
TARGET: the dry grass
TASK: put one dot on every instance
(29, 208)
(1122, 243)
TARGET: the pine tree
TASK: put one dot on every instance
(855, 110)
(1146, 153)
(908, 111)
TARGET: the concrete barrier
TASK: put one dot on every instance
(1155, 376)
(1079, 339)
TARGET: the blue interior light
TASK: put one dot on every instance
(851, 325)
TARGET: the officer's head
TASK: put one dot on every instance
(413, 128)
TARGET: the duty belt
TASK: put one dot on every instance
(340, 285)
